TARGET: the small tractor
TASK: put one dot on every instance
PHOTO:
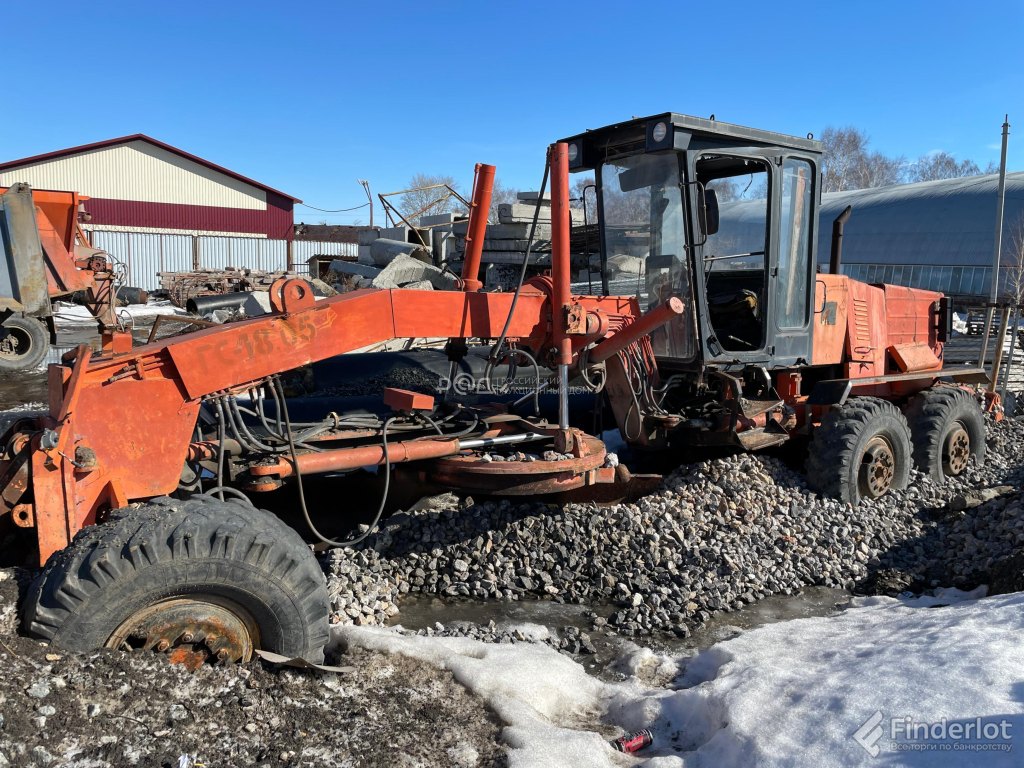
(47, 256)
(138, 490)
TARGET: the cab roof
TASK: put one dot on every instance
(691, 129)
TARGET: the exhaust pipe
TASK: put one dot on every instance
(836, 259)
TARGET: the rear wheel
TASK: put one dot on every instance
(861, 450)
(948, 430)
(23, 343)
(200, 580)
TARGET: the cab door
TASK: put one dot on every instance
(791, 276)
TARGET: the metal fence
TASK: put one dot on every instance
(146, 254)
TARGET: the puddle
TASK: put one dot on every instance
(422, 611)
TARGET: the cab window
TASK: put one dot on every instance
(794, 243)
(734, 257)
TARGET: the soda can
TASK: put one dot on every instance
(634, 742)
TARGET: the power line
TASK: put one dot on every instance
(335, 210)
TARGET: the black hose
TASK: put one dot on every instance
(222, 489)
(302, 493)
(495, 350)
(222, 438)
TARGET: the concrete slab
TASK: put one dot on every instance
(400, 233)
(367, 236)
(515, 213)
(384, 251)
(516, 231)
(405, 269)
(436, 219)
(348, 268)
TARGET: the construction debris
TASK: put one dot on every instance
(383, 251)
(182, 286)
(403, 271)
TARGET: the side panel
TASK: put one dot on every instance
(911, 317)
(828, 328)
(866, 338)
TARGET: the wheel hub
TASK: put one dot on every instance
(12, 344)
(956, 453)
(878, 468)
(190, 631)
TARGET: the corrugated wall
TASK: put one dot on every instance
(304, 250)
(141, 172)
(144, 255)
(141, 185)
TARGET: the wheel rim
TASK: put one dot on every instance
(956, 450)
(877, 469)
(190, 631)
(15, 342)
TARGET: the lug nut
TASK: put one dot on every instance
(222, 655)
(163, 645)
(188, 637)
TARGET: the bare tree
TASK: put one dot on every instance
(500, 196)
(426, 198)
(878, 170)
(844, 150)
(941, 165)
(848, 163)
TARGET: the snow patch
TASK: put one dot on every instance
(787, 694)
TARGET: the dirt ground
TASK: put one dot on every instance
(112, 708)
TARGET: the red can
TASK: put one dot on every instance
(634, 742)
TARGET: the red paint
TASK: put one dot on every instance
(560, 268)
(275, 222)
(483, 187)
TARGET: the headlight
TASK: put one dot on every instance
(659, 132)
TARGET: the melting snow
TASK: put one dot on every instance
(825, 691)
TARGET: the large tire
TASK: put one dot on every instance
(24, 343)
(861, 450)
(199, 579)
(948, 429)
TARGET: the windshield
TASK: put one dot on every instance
(645, 238)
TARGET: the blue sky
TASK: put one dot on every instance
(309, 97)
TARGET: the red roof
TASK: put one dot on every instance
(11, 164)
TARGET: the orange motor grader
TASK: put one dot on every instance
(140, 488)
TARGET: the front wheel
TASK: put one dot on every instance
(24, 342)
(200, 580)
(861, 450)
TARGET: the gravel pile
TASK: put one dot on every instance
(718, 535)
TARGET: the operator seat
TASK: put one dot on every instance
(736, 318)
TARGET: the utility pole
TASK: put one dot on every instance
(997, 253)
(365, 184)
